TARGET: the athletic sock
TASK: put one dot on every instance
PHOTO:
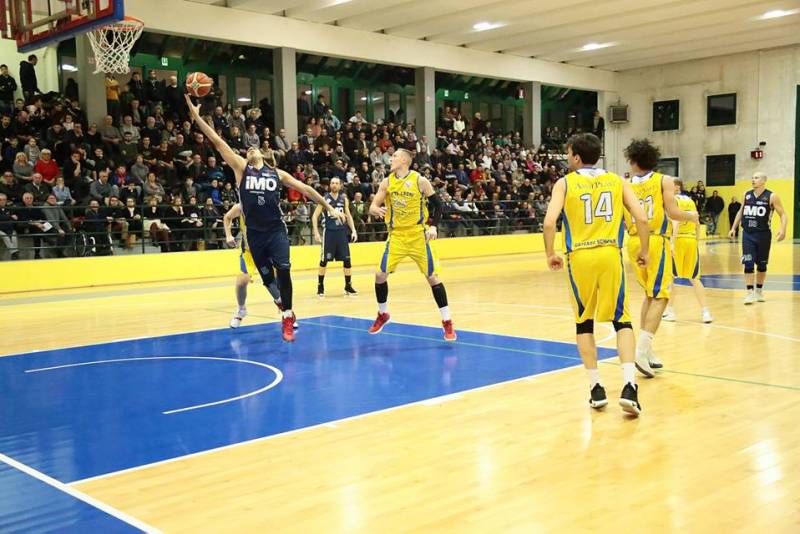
(759, 286)
(594, 376)
(287, 313)
(645, 343)
(749, 288)
(383, 307)
(445, 311)
(241, 311)
(321, 279)
(629, 373)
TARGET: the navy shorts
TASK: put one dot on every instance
(269, 249)
(335, 246)
(755, 247)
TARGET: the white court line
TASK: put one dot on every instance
(275, 382)
(72, 492)
(330, 424)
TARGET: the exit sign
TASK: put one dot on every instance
(164, 61)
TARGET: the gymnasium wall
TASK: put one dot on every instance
(46, 68)
(64, 273)
(766, 86)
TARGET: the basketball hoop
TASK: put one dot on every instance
(112, 45)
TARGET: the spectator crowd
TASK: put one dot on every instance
(146, 174)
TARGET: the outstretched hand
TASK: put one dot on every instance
(194, 109)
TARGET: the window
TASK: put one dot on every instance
(466, 112)
(394, 106)
(721, 110)
(720, 170)
(666, 115)
(411, 109)
(669, 166)
(378, 106)
(69, 69)
(243, 94)
(263, 90)
(361, 102)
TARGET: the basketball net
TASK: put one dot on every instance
(112, 45)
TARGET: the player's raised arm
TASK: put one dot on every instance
(289, 181)
(777, 205)
(554, 209)
(636, 210)
(434, 206)
(376, 209)
(671, 207)
(234, 160)
(227, 223)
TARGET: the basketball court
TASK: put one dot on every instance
(133, 407)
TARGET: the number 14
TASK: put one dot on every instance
(603, 209)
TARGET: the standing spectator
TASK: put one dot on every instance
(733, 209)
(112, 97)
(47, 167)
(303, 112)
(320, 108)
(71, 90)
(7, 87)
(154, 91)
(714, 207)
(173, 96)
(7, 221)
(599, 124)
(27, 78)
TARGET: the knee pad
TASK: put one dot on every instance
(323, 263)
(586, 327)
(749, 267)
(267, 276)
(619, 326)
(347, 264)
(762, 266)
(284, 276)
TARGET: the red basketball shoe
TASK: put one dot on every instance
(449, 331)
(380, 322)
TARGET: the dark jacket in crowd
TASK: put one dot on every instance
(7, 87)
(27, 77)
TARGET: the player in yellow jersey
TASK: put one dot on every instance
(656, 194)
(592, 203)
(247, 268)
(407, 196)
(686, 256)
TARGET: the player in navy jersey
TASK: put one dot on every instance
(755, 216)
(335, 238)
(259, 188)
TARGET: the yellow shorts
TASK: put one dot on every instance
(412, 244)
(597, 285)
(686, 258)
(246, 264)
(656, 278)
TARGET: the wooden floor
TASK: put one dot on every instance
(717, 448)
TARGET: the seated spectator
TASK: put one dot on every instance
(38, 188)
(228, 194)
(53, 242)
(47, 167)
(63, 194)
(23, 169)
(152, 189)
(100, 190)
(9, 153)
(158, 230)
(32, 150)
(31, 225)
(212, 224)
(10, 188)
(128, 148)
(131, 190)
(188, 190)
(110, 134)
(115, 216)
(128, 127)
(139, 170)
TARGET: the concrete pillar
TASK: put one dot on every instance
(425, 84)
(285, 90)
(612, 156)
(91, 86)
(532, 114)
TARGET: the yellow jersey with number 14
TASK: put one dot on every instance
(593, 210)
(407, 207)
(648, 190)
(686, 228)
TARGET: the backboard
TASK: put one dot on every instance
(36, 23)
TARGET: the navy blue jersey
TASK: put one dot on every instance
(338, 203)
(260, 195)
(757, 212)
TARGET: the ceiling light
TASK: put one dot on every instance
(243, 99)
(69, 68)
(778, 13)
(307, 92)
(363, 98)
(484, 26)
(595, 46)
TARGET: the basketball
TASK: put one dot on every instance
(199, 84)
